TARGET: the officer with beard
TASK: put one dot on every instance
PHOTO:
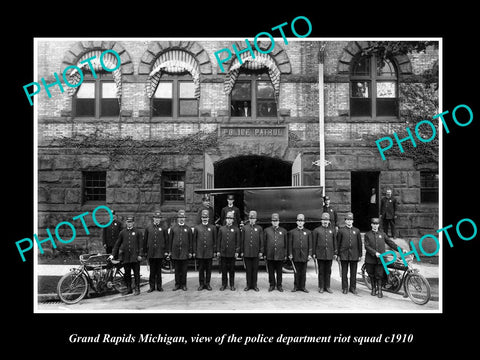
(228, 240)
(300, 252)
(156, 248)
(180, 240)
(204, 248)
(324, 252)
(251, 247)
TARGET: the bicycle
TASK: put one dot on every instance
(98, 272)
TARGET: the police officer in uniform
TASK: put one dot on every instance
(300, 252)
(128, 249)
(349, 247)
(275, 252)
(110, 234)
(251, 247)
(206, 206)
(375, 241)
(156, 248)
(324, 252)
(180, 241)
(333, 214)
(204, 248)
(230, 208)
(228, 247)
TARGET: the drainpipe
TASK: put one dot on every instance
(321, 115)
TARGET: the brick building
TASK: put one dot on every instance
(168, 122)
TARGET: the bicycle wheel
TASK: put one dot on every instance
(72, 287)
(118, 282)
(417, 288)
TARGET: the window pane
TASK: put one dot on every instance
(428, 187)
(187, 90)
(164, 90)
(387, 69)
(94, 186)
(242, 91)
(266, 108)
(265, 90)
(109, 107)
(386, 89)
(86, 91)
(188, 108)
(84, 107)
(162, 107)
(360, 89)
(360, 107)
(173, 187)
(387, 107)
(109, 90)
(362, 67)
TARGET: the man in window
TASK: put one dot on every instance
(388, 212)
(251, 247)
(228, 240)
(180, 241)
(110, 234)
(128, 249)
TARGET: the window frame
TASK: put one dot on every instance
(373, 78)
(428, 190)
(175, 80)
(84, 187)
(98, 81)
(165, 178)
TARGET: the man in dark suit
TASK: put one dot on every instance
(324, 252)
(204, 248)
(206, 206)
(275, 252)
(180, 241)
(251, 247)
(155, 249)
(228, 247)
(128, 249)
(300, 252)
(388, 212)
(110, 234)
(375, 241)
(230, 208)
(349, 248)
(331, 211)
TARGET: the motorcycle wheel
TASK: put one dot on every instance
(72, 287)
(365, 277)
(417, 288)
(118, 282)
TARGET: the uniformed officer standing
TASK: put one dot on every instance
(204, 248)
(128, 249)
(251, 247)
(300, 251)
(331, 211)
(230, 208)
(388, 212)
(206, 206)
(349, 247)
(375, 246)
(180, 241)
(110, 233)
(324, 252)
(275, 252)
(228, 247)
(156, 248)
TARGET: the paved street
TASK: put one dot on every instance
(251, 301)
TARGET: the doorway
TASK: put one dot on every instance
(365, 198)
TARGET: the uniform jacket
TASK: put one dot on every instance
(333, 215)
(275, 243)
(129, 245)
(349, 243)
(228, 241)
(388, 207)
(299, 244)
(324, 242)
(211, 215)
(204, 241)
(251, 243)
(155, 241)
(110, 233)
(375, 242)
(180, 241)
(236, 215)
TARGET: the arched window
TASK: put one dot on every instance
(373, 88)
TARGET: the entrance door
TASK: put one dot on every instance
(365, 200)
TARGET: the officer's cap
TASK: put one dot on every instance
(375, 220)
(130, 218)
(275, 216)
(205, 214)
(325, 216)
(349, 216)
(326, 197)
(230, 197)
(157, 214)
(252, 214)
(181, 214)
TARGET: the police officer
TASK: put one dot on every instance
(156, 248)
(324, 252)
(180, 241)
(388, 212)
(128, 249)
(251, 247)
(300, 252)
(204, 248)
(375, 246)
(206, 206)
(275, 252)
(110, 234)
(333, 214)
(230, 208)
(349, 248)
(228, 247)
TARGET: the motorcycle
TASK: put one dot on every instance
(415, 286)
(97, 272)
